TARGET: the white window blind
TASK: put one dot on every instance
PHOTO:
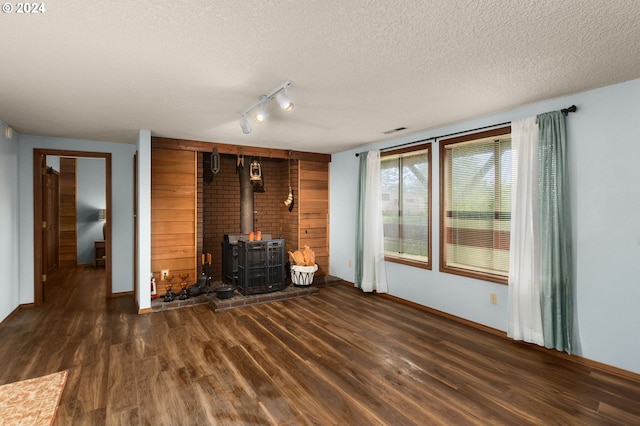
(477, 205)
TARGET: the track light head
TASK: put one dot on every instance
(284, 101)
(261, 115)
(244, 125)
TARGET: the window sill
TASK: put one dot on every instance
(408, 262)
(474, 274)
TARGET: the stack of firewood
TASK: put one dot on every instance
(304, 257)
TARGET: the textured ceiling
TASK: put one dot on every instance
(101, 70)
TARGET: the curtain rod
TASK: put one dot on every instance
(564, 111)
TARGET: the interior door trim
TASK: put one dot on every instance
(38, 153)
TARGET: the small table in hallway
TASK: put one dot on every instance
(99, 253)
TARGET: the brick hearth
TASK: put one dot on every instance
(239, 300)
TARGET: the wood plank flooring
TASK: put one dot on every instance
(336, 358)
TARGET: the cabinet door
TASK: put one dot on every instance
(313, 211)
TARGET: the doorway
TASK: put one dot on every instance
(41, 237)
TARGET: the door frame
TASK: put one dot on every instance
(38, 154)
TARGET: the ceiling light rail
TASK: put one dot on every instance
(564, 111)
(280, 95)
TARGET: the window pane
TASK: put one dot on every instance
(405, 204)
(414, 217)
(390, 179)
(477, 205)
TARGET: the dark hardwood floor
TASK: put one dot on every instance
(336, 358)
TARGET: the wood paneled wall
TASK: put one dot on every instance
(68, 234)
(173, 215)
(192, 209)
(313, 208)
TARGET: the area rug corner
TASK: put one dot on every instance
(32, 401)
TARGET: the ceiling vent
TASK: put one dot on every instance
(399, 129)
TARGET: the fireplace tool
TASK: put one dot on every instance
(204, 280)
(225, 291)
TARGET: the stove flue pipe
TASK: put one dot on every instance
(246, 200)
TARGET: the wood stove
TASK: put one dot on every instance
(253, 267)
(261, 266)
(230, 257)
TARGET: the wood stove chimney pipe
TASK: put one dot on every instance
(246, 200)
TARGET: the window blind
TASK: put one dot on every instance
(477, 215)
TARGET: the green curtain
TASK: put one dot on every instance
(556, 268)
(362, 180)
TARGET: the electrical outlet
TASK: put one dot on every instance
(163, 273)
(493, 298)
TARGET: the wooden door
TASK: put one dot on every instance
(51, 221)
(313, 210)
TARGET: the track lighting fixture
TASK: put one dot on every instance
(279, 93)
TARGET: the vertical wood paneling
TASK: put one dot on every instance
(313, 211)
(199, 205)
(173, 215)
(68, 234)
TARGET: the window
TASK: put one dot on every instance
(475, 206)
(405, 176)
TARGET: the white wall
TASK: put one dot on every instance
(91, 197)
(9, 224)
(604, 150)
(144, 219)
(122, 207)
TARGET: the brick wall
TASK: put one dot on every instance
(221, 204)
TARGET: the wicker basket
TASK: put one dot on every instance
(302, 275)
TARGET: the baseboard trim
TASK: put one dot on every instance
(589, 363)
(122, 294)
(11, 314)
(144, 311)
(460, 320)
